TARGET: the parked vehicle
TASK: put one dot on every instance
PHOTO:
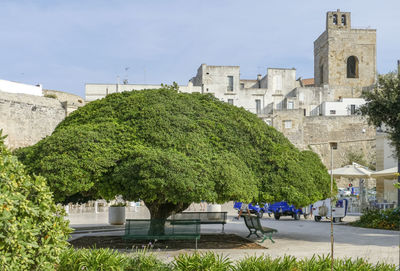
(284, 209)
(322, 209)
(344, 192)
(256, 209)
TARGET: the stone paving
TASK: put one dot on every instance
(301, 238)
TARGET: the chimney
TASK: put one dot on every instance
(259, 80)
(398, 67)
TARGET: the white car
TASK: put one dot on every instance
(344, 192)
(322, 209)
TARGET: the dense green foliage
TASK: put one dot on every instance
(383, 106)
(105, 259)
(205, 261)
(171, 149)
(33, 231)
(388, 219)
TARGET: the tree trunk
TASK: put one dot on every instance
(159, 212)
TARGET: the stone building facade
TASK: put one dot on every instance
(345, 58)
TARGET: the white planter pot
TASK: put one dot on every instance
(213, 208)
(116, 215)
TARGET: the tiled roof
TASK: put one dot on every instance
(308, 81)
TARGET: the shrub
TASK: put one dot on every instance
(92, 259)
(107, 259)
(319, 263)
(33, 231)
(52, 96)
(388, 219)
(197, 261)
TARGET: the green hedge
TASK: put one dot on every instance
(388, 219)
(106, 259)
(33, 232)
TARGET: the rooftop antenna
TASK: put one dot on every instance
(125, 81)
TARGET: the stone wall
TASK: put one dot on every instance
(26, 118)
(352, 133)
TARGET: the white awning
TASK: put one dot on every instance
(389, 172)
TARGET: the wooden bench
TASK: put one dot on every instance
(204, 217)
(173, 229)
(254, 225)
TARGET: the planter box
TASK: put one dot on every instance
(213, 208)
(116, 215)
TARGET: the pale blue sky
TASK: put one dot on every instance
(65, 44)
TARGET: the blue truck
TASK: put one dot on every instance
(256, 209)
(284, 209)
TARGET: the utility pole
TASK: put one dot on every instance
(333, 146)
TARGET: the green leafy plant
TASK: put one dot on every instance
(198, 261)
(144, 260)
(33, 231)
(52, 96)
(107, 259)
(92, 260)
(315, 263)
(382, 106)
(118, 204)
(388, 219)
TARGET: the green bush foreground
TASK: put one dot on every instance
(106, 259)
(33, 232)
(388, 219)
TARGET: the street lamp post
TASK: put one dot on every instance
(333, 146)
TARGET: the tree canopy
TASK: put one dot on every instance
(171, 149)
(382, 106)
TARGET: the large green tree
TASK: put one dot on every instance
(171, 149)
(382, 106)
(382, 109)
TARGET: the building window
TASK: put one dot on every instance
(241, 85)
(352, 109)
(321, 74)
(335, 19)
(343, 19)
(352, 67)
(230, 83)
(230, 101)
(332, 112)
(287, 124)
(258, 106)
(290, 105)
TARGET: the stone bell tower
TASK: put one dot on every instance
(345, 58)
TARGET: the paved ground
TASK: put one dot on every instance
(301, 238)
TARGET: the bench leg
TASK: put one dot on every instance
(264, 237)
(251, 233)
(269, 236)
(196, 243)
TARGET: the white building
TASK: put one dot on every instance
(14, 87)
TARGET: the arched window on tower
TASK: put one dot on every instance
(352, 67)
(343, 19)
(334, 19)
